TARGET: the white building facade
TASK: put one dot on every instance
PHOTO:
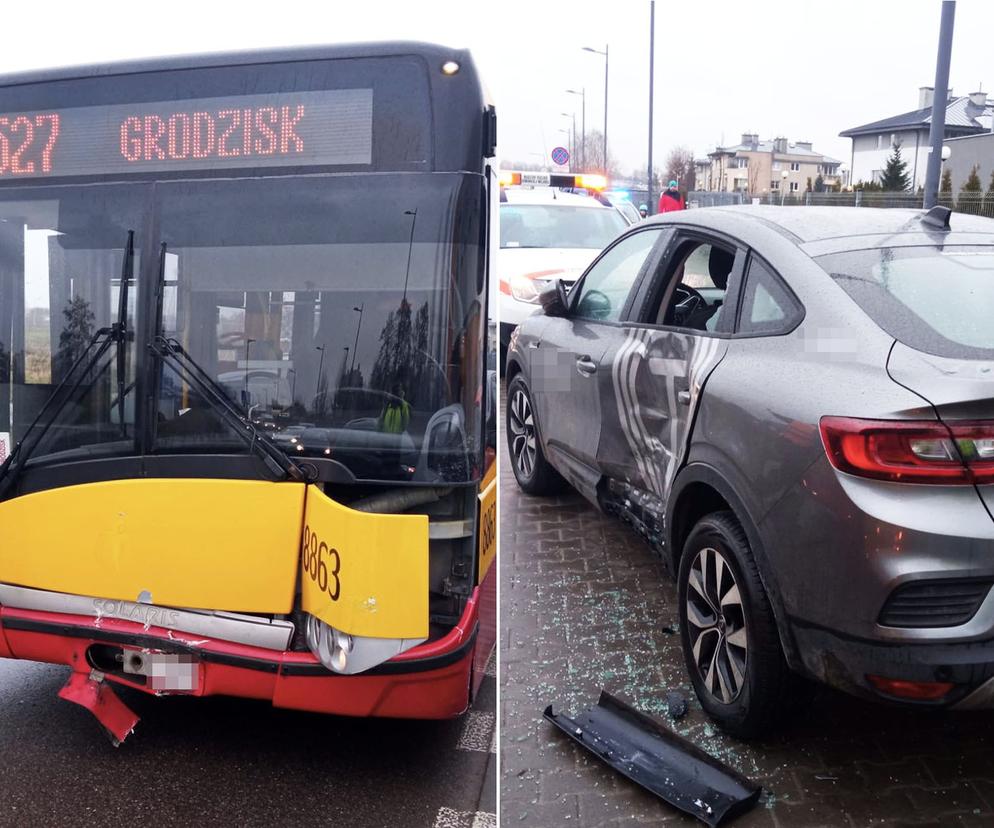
(872, 144)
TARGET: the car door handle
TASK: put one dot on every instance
(585, 366)
(683, 397)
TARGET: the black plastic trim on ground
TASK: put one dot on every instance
(659, 760)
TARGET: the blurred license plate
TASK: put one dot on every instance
(164, 671)
(173, 672)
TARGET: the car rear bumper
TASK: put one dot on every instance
(845, 662)
(430, 681)
(840, 550)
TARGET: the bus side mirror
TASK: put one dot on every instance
(554, 299)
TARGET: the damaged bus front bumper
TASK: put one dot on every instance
(163, 651)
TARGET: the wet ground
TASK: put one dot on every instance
(585, 606)
(219, 761)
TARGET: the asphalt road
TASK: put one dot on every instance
(220, 761)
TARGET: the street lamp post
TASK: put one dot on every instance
(572, 148)
(783, 187)
(937, 128)
(652, 64)
(355, 348)
(248, 344)
(583, 124)
(605, 54)
(568, 142)
(410, 247)
(317, 386)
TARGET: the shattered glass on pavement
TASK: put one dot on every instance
(586, 605)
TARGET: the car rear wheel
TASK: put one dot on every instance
(532, 471)
(730, 641)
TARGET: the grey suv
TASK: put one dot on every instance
(795, 407)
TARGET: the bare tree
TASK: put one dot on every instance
(641, 174)
(523, 166)
(680, 167)
(753, 173)
(594, 162)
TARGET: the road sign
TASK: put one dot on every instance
(561, 156)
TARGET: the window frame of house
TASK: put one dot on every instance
(795, 186)
(774, 184)
(795, 166)
(776, 165)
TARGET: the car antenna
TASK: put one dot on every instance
(938, 217)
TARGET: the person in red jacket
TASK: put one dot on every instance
(671, 199)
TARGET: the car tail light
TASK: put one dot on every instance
(913, 690)
(909, 451)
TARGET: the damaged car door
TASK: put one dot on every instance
(655, 367)
(567, 379)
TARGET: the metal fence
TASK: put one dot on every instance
(978, 204)
(699, 198)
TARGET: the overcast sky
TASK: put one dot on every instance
(804, 69)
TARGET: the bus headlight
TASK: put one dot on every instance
(343, 643)
(349, 654)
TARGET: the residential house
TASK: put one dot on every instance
(702, 171)
(872, 143)
(758, 167)
(967, 152)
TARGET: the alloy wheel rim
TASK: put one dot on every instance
(719, 641)
(521, 426)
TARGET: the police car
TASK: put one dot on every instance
(551, 227)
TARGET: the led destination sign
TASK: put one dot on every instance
(294, 129)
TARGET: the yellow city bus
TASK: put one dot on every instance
(245, 415)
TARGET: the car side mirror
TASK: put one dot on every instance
(554, 299)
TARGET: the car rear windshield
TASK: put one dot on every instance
(935, 299)
(553, 225)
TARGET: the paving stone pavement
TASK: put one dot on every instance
(585, 605)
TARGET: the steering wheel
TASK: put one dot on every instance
(686, 300)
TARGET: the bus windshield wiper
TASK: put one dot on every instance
(94, 351)
(172, 352)
(127, 272)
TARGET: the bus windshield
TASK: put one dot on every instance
(342, 314)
